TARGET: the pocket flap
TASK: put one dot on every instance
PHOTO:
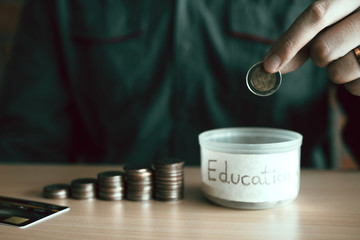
(106, 19)
(265, 19)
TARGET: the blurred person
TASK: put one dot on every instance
(121, 81)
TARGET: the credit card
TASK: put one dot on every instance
(23, 213)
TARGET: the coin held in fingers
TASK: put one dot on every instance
(262, 83)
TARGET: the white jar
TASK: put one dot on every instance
(250, 168)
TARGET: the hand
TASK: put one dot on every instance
(327, 32)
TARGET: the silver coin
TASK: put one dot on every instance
(111, 197)
(114, 185)
(134, 168)
(83, 195)
(83, 184)
(178, 186)
(56, 191)
(169, 163)
(111, 190)
(169, 197)
(168, 173)
(139, 196)
(262, 83)
(140, 188)
(110, 177)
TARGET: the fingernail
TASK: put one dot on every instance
(272, 63)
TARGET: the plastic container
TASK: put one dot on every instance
(250, 168)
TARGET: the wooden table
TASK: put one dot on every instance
(328, 207)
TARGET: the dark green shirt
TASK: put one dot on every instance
(120, 81)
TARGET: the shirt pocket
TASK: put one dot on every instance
(263, 21)
(107, 21)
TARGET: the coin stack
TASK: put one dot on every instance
(138, 182)
(111, 185)
(56, 191)
(169, 179)
(83, 188)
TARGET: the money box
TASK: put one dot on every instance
(250, 168)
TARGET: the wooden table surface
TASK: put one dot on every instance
(328, 207)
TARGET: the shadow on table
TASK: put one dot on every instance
(194, 195)
(35, 193)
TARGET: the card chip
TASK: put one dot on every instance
(16, 220)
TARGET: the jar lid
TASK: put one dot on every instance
(250, 140)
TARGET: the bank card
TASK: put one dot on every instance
(24, 213)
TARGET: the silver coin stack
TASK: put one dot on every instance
(169, 179)
(111, 185)
(139, 183)
(56, 191)
(83, 188)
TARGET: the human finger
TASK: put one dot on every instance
(344, 70)
(313, 20)
(336, 41)
(353, 87)
(298, 60)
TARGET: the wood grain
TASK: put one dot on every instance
(327, 208)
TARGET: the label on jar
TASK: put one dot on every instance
(253, 178)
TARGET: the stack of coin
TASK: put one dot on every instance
(83, 188)
(56, 191)
(138, 182)
(169, 179)
(111, 185)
